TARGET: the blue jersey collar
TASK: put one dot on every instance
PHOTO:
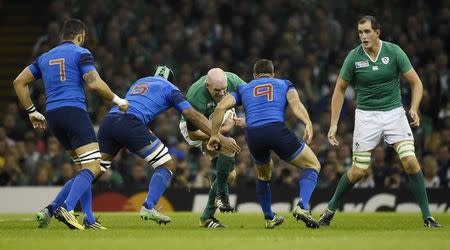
(63, 42)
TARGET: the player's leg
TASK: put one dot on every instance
(398, 133)
(44, 216)
(367, 134)
(264, 194)
(224, 165)
(135, 136)
(297, 153)
(259, 141)
(79, 131)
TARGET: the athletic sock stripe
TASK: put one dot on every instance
(88, 154)
(158, 155)
(157, 159)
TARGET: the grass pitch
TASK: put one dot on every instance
(378, 231)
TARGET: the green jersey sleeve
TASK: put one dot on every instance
(347, 73)
(403, 63)
(233, 81)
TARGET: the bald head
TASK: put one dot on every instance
(216, 83)
(216, 77)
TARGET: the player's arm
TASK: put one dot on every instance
(404, 66)
(216, 138)
(300, 112)
(23, 93)
(21, 87)
(336, 106)
(416, 95)
(199, 120)
(96, 84)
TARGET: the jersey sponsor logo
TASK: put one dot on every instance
(264, 90)
(362, 64)
(139, 89)
(385, 60)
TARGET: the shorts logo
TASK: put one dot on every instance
(385, 60)
(362, 64)
(357, 145)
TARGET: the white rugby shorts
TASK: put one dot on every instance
(184, 132)
(370, 126)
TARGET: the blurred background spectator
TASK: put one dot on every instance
(307, 40)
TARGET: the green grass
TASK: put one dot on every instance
(246, 231)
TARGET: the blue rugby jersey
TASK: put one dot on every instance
(149, 96)
(62, 69)
(264, 100)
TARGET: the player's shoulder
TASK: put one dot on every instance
(390, 46)
(197, 87)
(356, 51)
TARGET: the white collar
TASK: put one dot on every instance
(379, 51)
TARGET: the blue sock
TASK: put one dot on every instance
(82, 182)
(60, 197)
(158, 184)
(264, 195)
(86, 206)
(307, 184)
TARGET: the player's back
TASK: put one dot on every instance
(149, 96)
(264, 100)
(62, 70)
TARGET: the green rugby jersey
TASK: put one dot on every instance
(200, 99)
(377, 81)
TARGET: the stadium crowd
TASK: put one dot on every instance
(307, 40)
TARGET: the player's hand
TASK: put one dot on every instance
(121, 103)
(38, 120)
(332, 136)
(239, 122)
(308, 134)
(415, 119)
(123, 106)
(213, 143)
(229, 144)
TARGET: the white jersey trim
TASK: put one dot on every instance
(379, 51)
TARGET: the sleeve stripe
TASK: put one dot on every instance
(86, 58)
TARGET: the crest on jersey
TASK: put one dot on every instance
(385, 60)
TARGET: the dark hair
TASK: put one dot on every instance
(72, 27)
(372, 20)
(263, 66)
(165, 72)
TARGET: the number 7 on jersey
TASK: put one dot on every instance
(62, 67)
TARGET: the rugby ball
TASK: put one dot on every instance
(228, 114)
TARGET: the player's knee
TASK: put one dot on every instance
(405, 149)
(355, 174)
(227, 152)
(91, 161)
(410, 164)
(170, 165)
(264, 173)
(232, 177)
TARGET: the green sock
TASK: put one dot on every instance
(223, 165)
(210, 208)
(343, 187)
(417, 185)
